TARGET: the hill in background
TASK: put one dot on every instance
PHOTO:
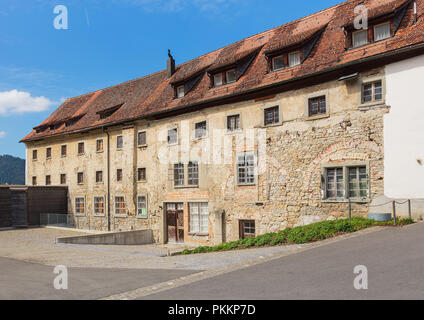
(12, 170)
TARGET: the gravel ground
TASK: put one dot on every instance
(38, 245)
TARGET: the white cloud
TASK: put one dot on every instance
(2, 134)
(15, 101)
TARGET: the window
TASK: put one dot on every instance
(294, 59)
(99, 176)
(180, 92)
(63, 178)
(141, 174)
(34, 181)
(80, 205)
(246, 168)
(99, 205)
(119, 142)
(346, 182)
(233, 122)
(382, 31)
(199, 217)
(278, 63)
(193, 173)
(358, 184)
(173, 136)
(218, 80)
(80, 177)
(119, 175)
(142, 206)
(81, 148)
(178, 174)
(63, 150)
(34, 155)
(48, 180)
(230, 76)
(359, 38)
(335, 184)
(317, 106)
(120, 206)
(99, 145)
(271, 115)
(48, 153)
(141, 138)
(247, 229)
(372, 91)
(200, 129)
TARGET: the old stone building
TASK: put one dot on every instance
(277, 130)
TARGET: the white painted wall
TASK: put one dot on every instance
(404, 129)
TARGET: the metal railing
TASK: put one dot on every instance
(58, 220)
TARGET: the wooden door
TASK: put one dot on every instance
(175, 222)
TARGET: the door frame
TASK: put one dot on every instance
(166, 234)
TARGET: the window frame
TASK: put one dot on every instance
(291, 54)
(205, 131)
(121, 138)
(49, 178)
(48, 153)
(138, 174)
(35, 152)
(255, 167)
(125, 206)
(353, 37)
(138, 215)
(317, 95)
(194, 170)
(199, 230)
(168, 140)
(97, 145)
(226, 76)
(101, 175)
(119, 175)
(372, 82)
(180, 177)
(82, 175)
(81, 143)
(104, 206)
(61, 176)
(178, 93)
(34, 180)
(267, 109)
(379, 25)
(80, 214)
(63, 155)
(219, 74)
(145, 138)
(242, 233)
(273, 62)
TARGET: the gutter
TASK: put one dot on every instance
(108, 178)
(221, 100)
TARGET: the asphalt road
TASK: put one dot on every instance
(25, 280)
(394, 259)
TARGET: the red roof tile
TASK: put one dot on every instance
(154, 93)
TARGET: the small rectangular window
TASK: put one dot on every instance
(141, 138)
(63, 178)
(119, 142)
(294, 59)
(358, 182)
(99, 145)
(193, 173)
(335, 183)
(81, 148)
(382, 31)
(271, 115)
(217, 80)
(247, 229)
(99, 176)
(99, 206)
(372, 91)
(63, 150)
(317, 106)
(141, 174)
(34, 155)
(34, 181)
(142, 206)
(180, 92)
(48, 180)
(200, 129)
(233, 122)
(231, 76)
(80, 205)
(173, 136)
(246, 168)
(48, 153)
(178, 174)
(359, 38)
(119, 175)
(199, 217)
(278, 63)
(80, 177)
(120, 206)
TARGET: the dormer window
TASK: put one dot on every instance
(278, 63)
(106, 113)
(359, 38)
(224, 77)
(217, 80)
(382, 31)
(230, 76)
(180, 92)
(294, 59)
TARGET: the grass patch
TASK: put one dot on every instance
(302, 234)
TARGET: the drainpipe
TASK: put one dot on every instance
(108, 179)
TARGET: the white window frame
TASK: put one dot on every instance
(85, 206)
(291, 55)
(205, 133)
(173, 174)
(353, 38)
(97, 145)
(61, 154)
(195, 162)
(199, 227)
(273, 63)
(115, 208)
(141, 216)
(379, 25)
(180, 91)
(167, 136)
(253, 153)
(235, 76)
(117, 137)
(145, 135)
(218, 76)
(94, 206)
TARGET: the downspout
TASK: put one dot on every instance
(108, 179)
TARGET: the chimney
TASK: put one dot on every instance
(170, 65)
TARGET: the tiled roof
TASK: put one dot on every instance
(154, 93)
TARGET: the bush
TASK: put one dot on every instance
(302, 234)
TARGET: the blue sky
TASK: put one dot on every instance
(111, 41)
